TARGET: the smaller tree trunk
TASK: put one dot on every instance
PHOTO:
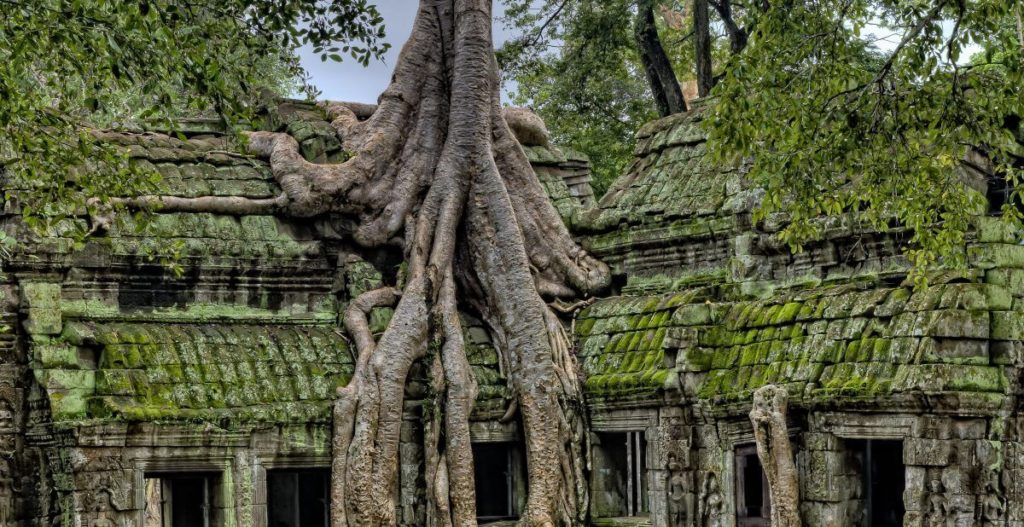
(768, 415)
(668, 96)
(702, 47)
(1020, 28)
(737, 35)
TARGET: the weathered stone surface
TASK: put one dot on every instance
(230, 367)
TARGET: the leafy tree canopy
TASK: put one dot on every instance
(580, 72)
(69, 65)
(578, 64)
(831, 128)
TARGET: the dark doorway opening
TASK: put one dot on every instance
(497, 469)
(619, 478)
(298, 498)
(181, 500)
(753, 505)
(883, 479)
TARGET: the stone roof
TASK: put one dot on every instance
(828, 345)
(170, 371)
(713, 307)
(671, 179)
(247, 330)
(622, 345)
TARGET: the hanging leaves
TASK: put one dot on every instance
(70, 65)
(865, 109)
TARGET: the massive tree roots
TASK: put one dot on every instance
(438, 172)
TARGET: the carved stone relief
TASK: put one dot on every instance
(711, 502)
(7, 493)
(937, 511)
(677, 493)
(993, 502)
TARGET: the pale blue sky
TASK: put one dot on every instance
(349, 81)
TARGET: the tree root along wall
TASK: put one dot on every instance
(771, 433)
(438, 172)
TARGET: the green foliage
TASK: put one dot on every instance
(7, 243)
(582, 75)
(67, 66)
(576, 64)
(834, 128)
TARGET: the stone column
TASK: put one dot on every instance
(673, 490)
(104, 488)
(827, 486)
(954, 474)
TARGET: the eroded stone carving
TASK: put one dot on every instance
(528, 128)
(993, 503)
(768, 416)
(938, 507)
(6, 494)
(711, 502)
(677, 508)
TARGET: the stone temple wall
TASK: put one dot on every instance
(903, 401)
(119, 370)
(121, 376)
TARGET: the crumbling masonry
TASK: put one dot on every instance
(133, 395)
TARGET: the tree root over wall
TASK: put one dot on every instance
(771, 432)
(438, 172)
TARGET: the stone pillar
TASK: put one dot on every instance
(827, 484)
(103, 495)
(713, 479)
(411, 510)
(259, 504)
(672, 484)
(25, 491)
(954, 474)
(238, 493)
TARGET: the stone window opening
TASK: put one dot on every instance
(878, 464)
(500, 481)
(298, 497)
(753, 504)
(181, 500)
(619, 479)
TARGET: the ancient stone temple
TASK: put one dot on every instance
(182, 374)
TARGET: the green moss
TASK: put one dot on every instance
(660, 318)
(748, 356)
(55, 354)
(692, 315)
(787, 313)
(69, 405)
(198, 312)
(1007, 325)
(1010, 279)
(584, 326)
(218, 372)
(931, 378)
(996, 255)
(117, 382)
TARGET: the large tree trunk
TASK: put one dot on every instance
(668, 96)
(437, 172)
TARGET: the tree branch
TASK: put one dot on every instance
(540, 30)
